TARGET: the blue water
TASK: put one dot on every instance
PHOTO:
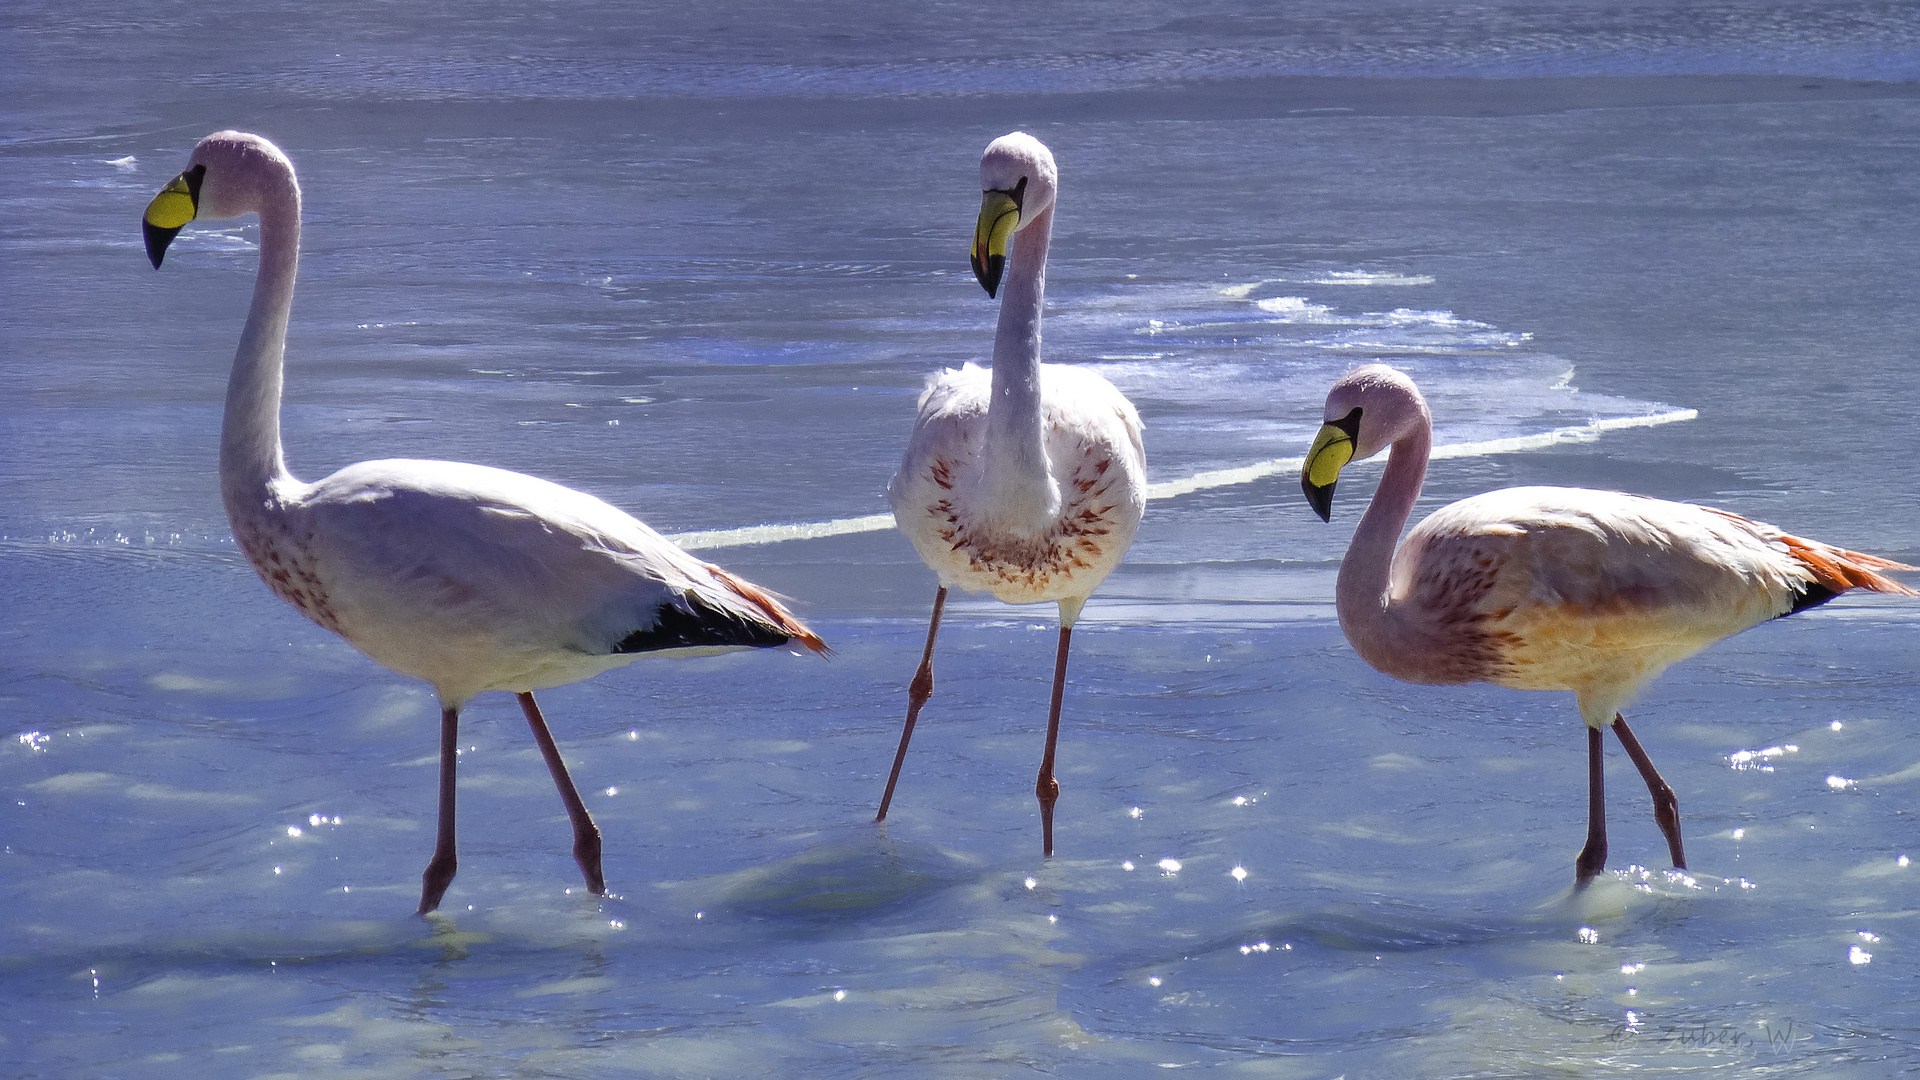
(698, 260)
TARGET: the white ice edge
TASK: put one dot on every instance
(1167, 489)
(774, 534)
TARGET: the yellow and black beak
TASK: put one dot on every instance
(1332, 449)
(169, 212)
(999, 216)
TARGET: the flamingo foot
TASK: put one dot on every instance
(433, 883)
(1047, 789)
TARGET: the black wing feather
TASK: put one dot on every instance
(1811, 594)
(697, 623)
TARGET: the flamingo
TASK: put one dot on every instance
(1549, 588)
(468, 577)
(1026, 481)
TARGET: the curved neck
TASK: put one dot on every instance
(250, 457)
(1362, 594)
(1020, 482)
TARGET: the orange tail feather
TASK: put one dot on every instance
(775, 611)
(1839, 569)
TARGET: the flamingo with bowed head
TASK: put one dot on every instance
(467, 577)
(1027, 481)
(1548, 588)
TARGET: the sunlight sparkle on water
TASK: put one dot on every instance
(1839, 783)
(1858, 955)
(1171, 866)
(1760, 759)
(1589, 936)
(1239, 873)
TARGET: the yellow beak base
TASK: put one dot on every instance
(1332, 449)
(999, 216)
(169, 212)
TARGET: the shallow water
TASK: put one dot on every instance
(698, 261)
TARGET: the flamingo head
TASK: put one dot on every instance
(230, 173)
(1368, 409)
(1017, 181)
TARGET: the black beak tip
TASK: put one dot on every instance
(988, 273)
(1318, 497)
(157, 241)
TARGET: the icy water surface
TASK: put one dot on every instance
(698, 261)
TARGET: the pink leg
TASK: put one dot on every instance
(1047, 787)
(918, 691)
(441, 868)
(586, 835)
(1666, 805)
(1593, 857)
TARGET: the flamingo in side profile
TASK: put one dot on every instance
(1549, 588)
(467, 577)
(1026, 481)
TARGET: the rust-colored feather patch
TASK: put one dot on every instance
(1839, 569)
(1833, 568)
(772, 608)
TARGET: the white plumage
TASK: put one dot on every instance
(945, 499)
(1549, 588)
(467, 577)
(475, 579)
(1026, 481)
(1599, 591)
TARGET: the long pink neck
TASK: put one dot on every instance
(1361, 595)
(250, 456)
(1021, 488)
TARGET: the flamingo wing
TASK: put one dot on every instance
(462, 574)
